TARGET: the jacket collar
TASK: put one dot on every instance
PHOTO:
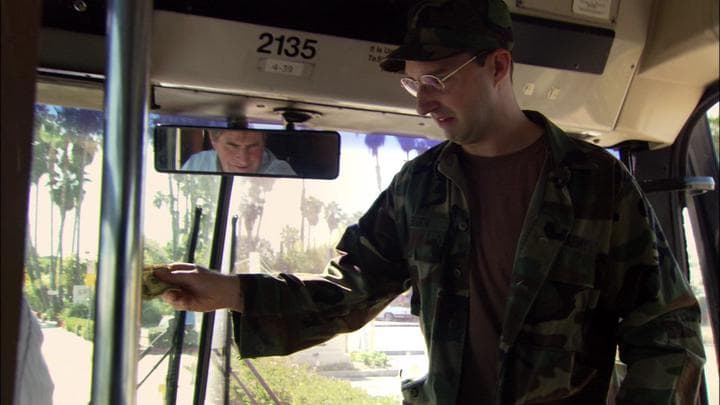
(562, 147)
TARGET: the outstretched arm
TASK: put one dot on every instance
(195, 288)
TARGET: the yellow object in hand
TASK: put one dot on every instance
(151, 286)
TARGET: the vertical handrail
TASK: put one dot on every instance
(120, 253)
(227, 358)
(208, 319)
(178, 339)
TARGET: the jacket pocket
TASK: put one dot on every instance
(427, 238)
(425, 255)
(539, 375)
(563, 303)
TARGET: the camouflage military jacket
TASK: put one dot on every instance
(592, 273)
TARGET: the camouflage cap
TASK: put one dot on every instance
(438, 29)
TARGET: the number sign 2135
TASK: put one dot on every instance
(287, 46)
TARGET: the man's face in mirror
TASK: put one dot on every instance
(239, 151)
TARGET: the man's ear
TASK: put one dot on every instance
(502, 64)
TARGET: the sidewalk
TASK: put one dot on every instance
(69, 360)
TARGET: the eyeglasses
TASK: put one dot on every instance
(413, 86)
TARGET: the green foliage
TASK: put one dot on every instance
(289, 239)
(153, 253)
(38, 271)
(153, 311)
(715, 131)
(66, 141)
(335, 217)
(37, 280)
(79, 310)
(371, 359)
(311, 208)
(73, 274)
(185, 194)
(80, 326)
(313, 260)
(261, 246)
(33, 297)
(295, 384)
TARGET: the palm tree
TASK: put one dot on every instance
(48, 139)
(198, 192)
(257, 191)
(289, 237)
(39, 168)
(311, 208)
(302, 213)
(374, 142)
(407, 144)
(85, 126)
(85, 153)
(334, 216)
(41, 151)
(75, 142)
(250, 213)
(252, 206)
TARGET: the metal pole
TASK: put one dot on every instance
(120, 253)
(227, 360)
(173, 373)
(208, 319)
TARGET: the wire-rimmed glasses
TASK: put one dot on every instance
(413, 86)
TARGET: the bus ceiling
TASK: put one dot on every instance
(609, 71)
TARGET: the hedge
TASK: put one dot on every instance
(82, 327)
(296, 384)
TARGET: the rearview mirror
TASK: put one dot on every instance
(247, 152)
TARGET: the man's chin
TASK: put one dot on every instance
(455, 137)
(244, 170)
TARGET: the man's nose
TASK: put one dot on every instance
(240, 155)
(426, 103)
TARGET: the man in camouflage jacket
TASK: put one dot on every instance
(592, 272)
(588, 277)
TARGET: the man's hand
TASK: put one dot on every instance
(195, 288)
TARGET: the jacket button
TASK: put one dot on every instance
(458, 272)
(462, 226)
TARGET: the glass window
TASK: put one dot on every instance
(61, 254)
(61, 258)
(714, 123)
(290, 225)
(698, 287)
(696, 275)
(170, 201)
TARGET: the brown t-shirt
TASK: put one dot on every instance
(500, 191)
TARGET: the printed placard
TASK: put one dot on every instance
(593, 8)
(283, 67)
